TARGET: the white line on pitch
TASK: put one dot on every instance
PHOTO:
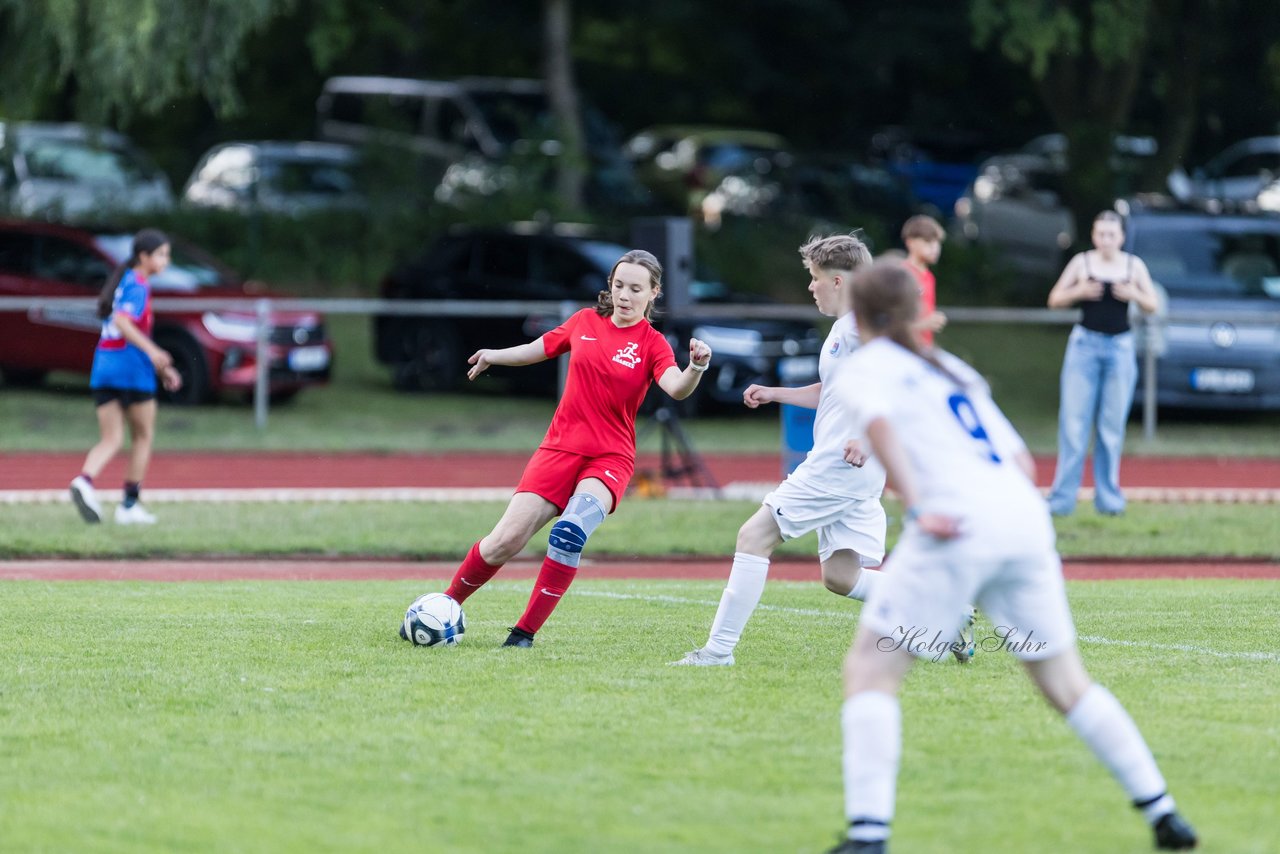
(815, 612)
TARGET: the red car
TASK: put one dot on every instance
(215, 351)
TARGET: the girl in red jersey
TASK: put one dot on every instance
(582, 467)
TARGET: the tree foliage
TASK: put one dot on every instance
(112, 57)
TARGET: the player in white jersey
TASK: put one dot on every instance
(838, 499)
(977, 530)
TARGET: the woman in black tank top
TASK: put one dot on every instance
(1100, 368)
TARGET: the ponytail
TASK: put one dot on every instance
(144, 243)
(886, 299)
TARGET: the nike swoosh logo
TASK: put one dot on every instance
(468, 583)
(585, 338)
(545, 592)
(779, 511)
(609, 475)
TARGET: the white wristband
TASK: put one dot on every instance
(699, 368)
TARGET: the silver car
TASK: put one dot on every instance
(1243, 176)
(1015, 205)
(1221, 277)
(290, 178)
(75, 172)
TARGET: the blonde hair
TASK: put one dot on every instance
(836, 252)
(604, 300)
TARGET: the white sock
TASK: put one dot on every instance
(741, 595)
(867, 581)
(1104, 725)
(872, 726)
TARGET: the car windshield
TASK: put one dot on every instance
(77, 160)
(1194, 262)
(186, 272)
(514, 116)
(312, 177)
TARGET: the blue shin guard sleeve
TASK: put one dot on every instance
(582, 515)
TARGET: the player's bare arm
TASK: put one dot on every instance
(680, 384)
(855, 454)
(521, 354)
(806, 396)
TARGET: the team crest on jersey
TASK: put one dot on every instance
(627, 355)
(835, 348)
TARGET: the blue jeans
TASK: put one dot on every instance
(1099, 373)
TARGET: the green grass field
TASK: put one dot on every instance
(447, 530)
(280, 717)
(359, 410)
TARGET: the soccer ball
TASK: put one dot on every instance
(433, 619)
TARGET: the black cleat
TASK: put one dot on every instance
(518, 637)
(1174, 834)
(854, 846)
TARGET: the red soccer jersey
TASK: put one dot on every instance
(609, 372)
(928, 295)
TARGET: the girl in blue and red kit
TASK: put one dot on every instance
(581, 469)
(123, 379)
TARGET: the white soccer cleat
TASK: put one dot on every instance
(135, 515)
(85, 498)
(965, 645)
(701, 658)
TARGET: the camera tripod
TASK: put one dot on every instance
(679, 459)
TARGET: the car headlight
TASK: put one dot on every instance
(229, 327)
(730, 341)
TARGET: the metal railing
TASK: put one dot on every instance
(263, 309)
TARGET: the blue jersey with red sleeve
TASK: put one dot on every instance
(116, 362)
(610, 369)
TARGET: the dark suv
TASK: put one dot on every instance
(428, 353)
(1221, 276)
(213, 350)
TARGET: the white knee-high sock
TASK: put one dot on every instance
(741, 595)
(872, 726)
(867, 581)
(1104, 725)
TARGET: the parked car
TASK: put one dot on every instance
(215, 351)
(1015, 204)
(290, 178)
(937, 167)
(74, 172)
(684, 164)
(1221, 277)
(429, 353)
(1235, 178)
(475, 136)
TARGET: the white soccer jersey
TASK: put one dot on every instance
(824, 468)
(960, 446)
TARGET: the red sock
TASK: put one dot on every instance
(553, 580)
(471, 576)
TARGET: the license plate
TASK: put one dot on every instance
(793, 369)
(308, 359)
(1235, 380)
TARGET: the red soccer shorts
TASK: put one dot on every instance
(555, 475)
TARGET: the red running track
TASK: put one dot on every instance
(665, 568)
(216, 470)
